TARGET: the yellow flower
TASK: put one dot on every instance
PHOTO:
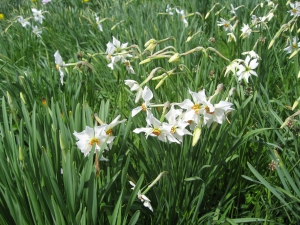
(85, 1)
(1, 16)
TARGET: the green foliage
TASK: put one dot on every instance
(243, 171)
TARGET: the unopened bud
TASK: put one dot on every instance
(145, 61)
(196, 135)
(295, 105)
(22, 97)
(293, 54)
(271, 43)
(174, 58)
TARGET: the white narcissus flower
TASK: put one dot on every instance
(147, 95)
(169, 10)
(193, 108)
(178, 125)
(37, 14)
(181, 12)
(215, 112)
(225, 24)
(115, 52)
(59, 65)
(90, 137)
(146, 201)
(295, 11)
(134, 86)
(129, 67)
(246, 31)
(157, 129)
(247, 68)
(293, 46)
(36, 31)
(98, 22)
(23, 21)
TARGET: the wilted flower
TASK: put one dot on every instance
(23, 21)
(252, 54)
(142, 197)
(36, 31)
(231, 37)
(134, 86)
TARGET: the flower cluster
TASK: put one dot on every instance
(170, 11)
(199, 112)
(37, 16)
(99, 136)
(243, 69)
(116, 52)
(257, 22)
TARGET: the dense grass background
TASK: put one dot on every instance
(224, 179)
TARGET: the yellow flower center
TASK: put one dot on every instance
(1, 16)
(57, 67)
(156, 132)
(173, 130)
(226, 25)
(196, 108)
(144, 108)
(94, 141)
(294, 10)
(294, 46)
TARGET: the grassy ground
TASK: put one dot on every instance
(239, 164)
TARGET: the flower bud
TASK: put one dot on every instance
(196, 135)
(145, 61)
(174, 58)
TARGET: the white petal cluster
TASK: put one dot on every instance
(243, 69)
(191, 113)
(99, 136)
(116, 52)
